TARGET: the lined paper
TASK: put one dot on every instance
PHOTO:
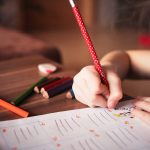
(81, 129)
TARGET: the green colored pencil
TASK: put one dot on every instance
(27, 92)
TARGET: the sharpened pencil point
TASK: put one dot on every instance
(70, 94)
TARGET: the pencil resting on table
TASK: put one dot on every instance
(37, 88)
(27, 92)
(59, 88)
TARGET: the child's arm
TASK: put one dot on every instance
(119, 61)
(135, 64)
(139, 63)
(117, 65)
(87, 85)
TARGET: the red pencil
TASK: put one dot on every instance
(89, 43)
(54, 84)
(60, 88)
(37, 88)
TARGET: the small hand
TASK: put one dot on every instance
(89, 89)
(142, 110)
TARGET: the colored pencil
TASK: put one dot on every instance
(54, 84)
(28, 92)
(88, 42)
(37, 88)
(14, 109)
(90, 46)
(58, 89)
(70, 94)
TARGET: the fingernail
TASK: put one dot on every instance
(111, 104)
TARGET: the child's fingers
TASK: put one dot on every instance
(115, 88)
(142, 104)
(104, 91)
(80, 90)
(83, 91)
(142, 115)
(79, 94)
(83, 95)
(97, 100)
(93, 81)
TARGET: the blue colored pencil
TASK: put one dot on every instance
(58, 89)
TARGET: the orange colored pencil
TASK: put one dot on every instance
(14, 109)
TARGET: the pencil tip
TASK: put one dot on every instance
(36, 90)
(45, 95)
(68, 95)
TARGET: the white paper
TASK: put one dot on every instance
(81, 129)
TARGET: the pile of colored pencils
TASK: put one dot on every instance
(47, 87)
(54, 86)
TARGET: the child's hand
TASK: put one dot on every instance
(89, 90)
(142, 110)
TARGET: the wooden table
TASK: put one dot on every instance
(18, 74)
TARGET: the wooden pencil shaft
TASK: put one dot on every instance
(27, 92)
(37, 89)
(89, 44)
(49, 81)
(60, 89)
(54, 84)
(14, 109)
(61, 84)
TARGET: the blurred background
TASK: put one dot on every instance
(48, 27)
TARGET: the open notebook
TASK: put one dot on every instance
(81, 129)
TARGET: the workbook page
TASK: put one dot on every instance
(81, 129)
